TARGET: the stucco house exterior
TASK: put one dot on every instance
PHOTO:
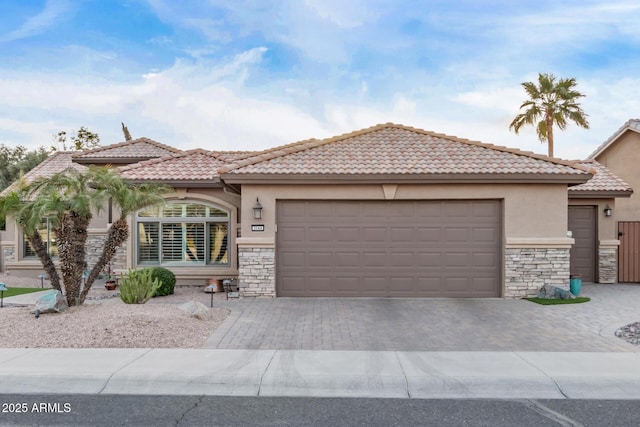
(385, 211)
(620, 154)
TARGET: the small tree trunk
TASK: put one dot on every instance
(549, 122)
(72, 235)
(117, 235)
(47, 263)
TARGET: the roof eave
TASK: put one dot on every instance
(110, 160)
(599, 194)
(177, 183)
(577, 179)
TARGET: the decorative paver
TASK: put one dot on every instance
(431, 324)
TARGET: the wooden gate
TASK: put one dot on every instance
(629, 251)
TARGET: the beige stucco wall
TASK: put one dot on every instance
(622, 158)
(13, 238)
(606, 227)
(531, 211)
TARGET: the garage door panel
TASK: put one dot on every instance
(373, 284)
(320, 259)
(374, 234)
(430, 234)
(429, 286)
(402, 234)
(319, 234)
(457, 210)
(487, 259)
(347, 234)
(374, 259)
(488, 210)
(484, 234)
(456, 259)
(348, 259)
(430, 259)
(347, 285)
(456, 234)
(459, 284)
(483, 284)
(291, 259)
(430, 210)
(292, 234)
(389, 248)
(401, 259)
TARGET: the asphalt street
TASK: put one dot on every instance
(124, 410)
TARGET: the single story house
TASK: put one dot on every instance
(387, 211)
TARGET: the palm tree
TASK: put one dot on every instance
(69, 199)
(550, 103)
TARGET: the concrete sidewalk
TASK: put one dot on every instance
(422, 375)
(607, 373)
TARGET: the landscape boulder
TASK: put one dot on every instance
(553, 292)
(51, 302)
(196, 309)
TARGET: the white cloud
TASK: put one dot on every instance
(37, 24)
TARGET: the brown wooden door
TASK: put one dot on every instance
(389, 248)
(629, 251)
(582, 223)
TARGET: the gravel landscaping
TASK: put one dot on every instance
(104, 321)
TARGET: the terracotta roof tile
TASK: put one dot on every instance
(602, 181)
(141, 148)
(56, 162)
(397, 149)
(192, 165)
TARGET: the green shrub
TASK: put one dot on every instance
(138, 286)
(167, 280)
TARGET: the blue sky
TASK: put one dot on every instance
(251, 74)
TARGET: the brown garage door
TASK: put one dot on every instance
(389, 248)
(582, 223)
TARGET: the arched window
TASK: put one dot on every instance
(183, 233)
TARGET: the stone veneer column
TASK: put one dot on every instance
(8, 255)
(527, 269)
(608, 261)
(256, 268)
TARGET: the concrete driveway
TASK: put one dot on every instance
(431, 324)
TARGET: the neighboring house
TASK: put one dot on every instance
(621, 155)
(385, 211)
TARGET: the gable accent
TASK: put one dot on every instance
(389, 191)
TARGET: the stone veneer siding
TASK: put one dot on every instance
(95, 245)
(8, 255)
(528, 269)
(608, 265)
(257, 272)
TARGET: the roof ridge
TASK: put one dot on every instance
(312, 143)
(181, 154)
(125, 143)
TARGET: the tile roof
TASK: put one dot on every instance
(192, 165)
(56, 162)
(399, 150)
(141, 148)
(232, 156)
(602, 181)
(632, 125)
